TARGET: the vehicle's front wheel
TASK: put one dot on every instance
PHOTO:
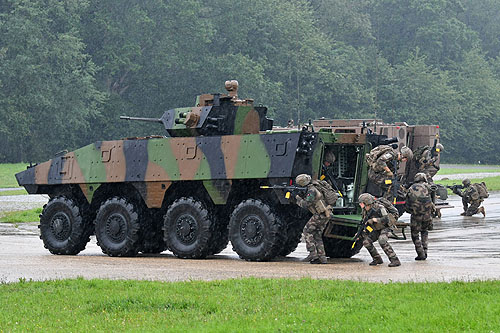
(118, 228)
(63, 228)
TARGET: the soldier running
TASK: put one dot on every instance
(472, 197)
(383, 164)
(313, 230)
(419, 205)
(376, 215)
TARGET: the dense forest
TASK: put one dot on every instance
(69, 69)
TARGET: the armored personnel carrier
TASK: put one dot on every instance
(199, 186)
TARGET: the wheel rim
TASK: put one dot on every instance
(251, 230)
(60, 226)
(186, 229)
(116, 227)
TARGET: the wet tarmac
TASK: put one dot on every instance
(461, 248)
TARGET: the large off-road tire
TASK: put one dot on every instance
(338, 248)
(188, 228)
(256, 233)
(118, 228)
(63, 228)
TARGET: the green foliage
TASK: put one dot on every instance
(47, 80)
(245, 305)
(68, 70)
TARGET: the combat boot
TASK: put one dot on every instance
(481, 210)
(310, 257)
(319, 260)
(376, 261)
(463, 214)
(394, 262)
(420, 255)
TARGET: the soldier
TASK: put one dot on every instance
(376, 215)
(426, 163)
(383, 164)
(472, 197)
(419, 205)
(316, 203)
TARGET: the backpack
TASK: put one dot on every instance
(389, 207)
(482, 190)
(375, 153)
(326, 189)
(418, 195)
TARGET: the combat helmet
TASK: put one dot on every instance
(329, 157)
(303, 179)
(420, 177)
(406, 153)
(466, 182)
(366, 198)
(439, 148)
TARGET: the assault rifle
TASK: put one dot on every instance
(455, 188)
(363, 226)
(328, 174)
(290, 189)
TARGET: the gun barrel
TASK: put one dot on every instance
(153, 120)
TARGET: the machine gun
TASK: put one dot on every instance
(455, 188)
(290, 189)
(363, 226)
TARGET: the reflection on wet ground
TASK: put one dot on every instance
(461, 248)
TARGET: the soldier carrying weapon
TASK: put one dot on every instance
(383, 163)
(376, 216)
(317, 203)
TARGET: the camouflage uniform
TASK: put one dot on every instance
(378, 175)
(381, 231)
(419, 204)
(427, 164)
(470, 200)
(313, 230)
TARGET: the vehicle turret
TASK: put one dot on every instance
(215, 114)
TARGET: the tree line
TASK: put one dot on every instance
(69, 69)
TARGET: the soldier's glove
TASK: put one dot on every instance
(372, 221)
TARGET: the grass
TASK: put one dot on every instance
(13, 192)
(7, 174)
(492, 183)
(453, 171)
(21, 216)
(249, 305)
